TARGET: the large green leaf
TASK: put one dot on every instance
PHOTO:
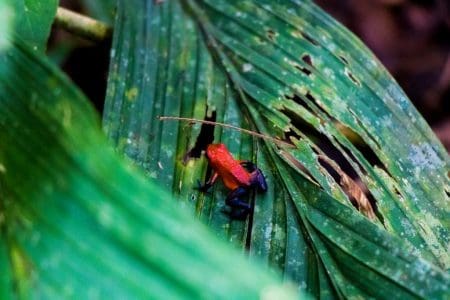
(77, 222)
(280, 67)
(32, 20)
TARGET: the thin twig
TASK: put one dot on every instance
(260, 135)
(81, 25)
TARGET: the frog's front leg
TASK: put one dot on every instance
(240, 208)
(257, 177)
(205, 187)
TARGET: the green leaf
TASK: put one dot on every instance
(286, 69)
(32, 20)
(77, 222)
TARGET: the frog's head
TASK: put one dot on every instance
(215, 151)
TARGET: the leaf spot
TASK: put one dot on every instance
(271, 34)
(307, 59)
(343, 59)
(132, 93)
(247, 67)
(310, 39)
(352, 77)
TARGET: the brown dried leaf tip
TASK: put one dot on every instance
(352, 189)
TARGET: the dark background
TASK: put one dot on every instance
(410, 37)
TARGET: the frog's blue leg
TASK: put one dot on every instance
(257, 177)
(240, 209)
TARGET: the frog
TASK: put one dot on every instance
(239, 177)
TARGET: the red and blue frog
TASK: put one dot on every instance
(237, 176)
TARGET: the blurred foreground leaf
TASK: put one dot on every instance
(76, 222)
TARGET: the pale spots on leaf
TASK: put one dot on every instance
(329, 73)
(429, 225)
(105, 215)
(132, 93)
(423, 156)
(247, 67)
(279, 232)
(268, 235)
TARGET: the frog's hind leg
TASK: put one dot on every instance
(240, 209)
(233, 198)
(257, 177)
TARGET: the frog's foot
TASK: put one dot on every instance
(203, 187)
(236, 213)
(239, 214)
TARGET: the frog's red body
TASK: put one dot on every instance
(233, 174)
(238, 176)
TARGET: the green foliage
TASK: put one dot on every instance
(77, 221)
(277, 67)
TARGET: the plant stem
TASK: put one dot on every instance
(82, 26)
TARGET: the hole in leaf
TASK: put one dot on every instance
(310, 39)
(317, 137)
(344, 60)
(361, 145)
(271, 34)
(352, 77)
(307, 59)
(311, 98)
(291, 133)
(205, 137)
(338, 157)
(303, 70)
(298, 122)
(356, 190)
(351, 135)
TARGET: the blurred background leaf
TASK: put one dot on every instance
(288, 70)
